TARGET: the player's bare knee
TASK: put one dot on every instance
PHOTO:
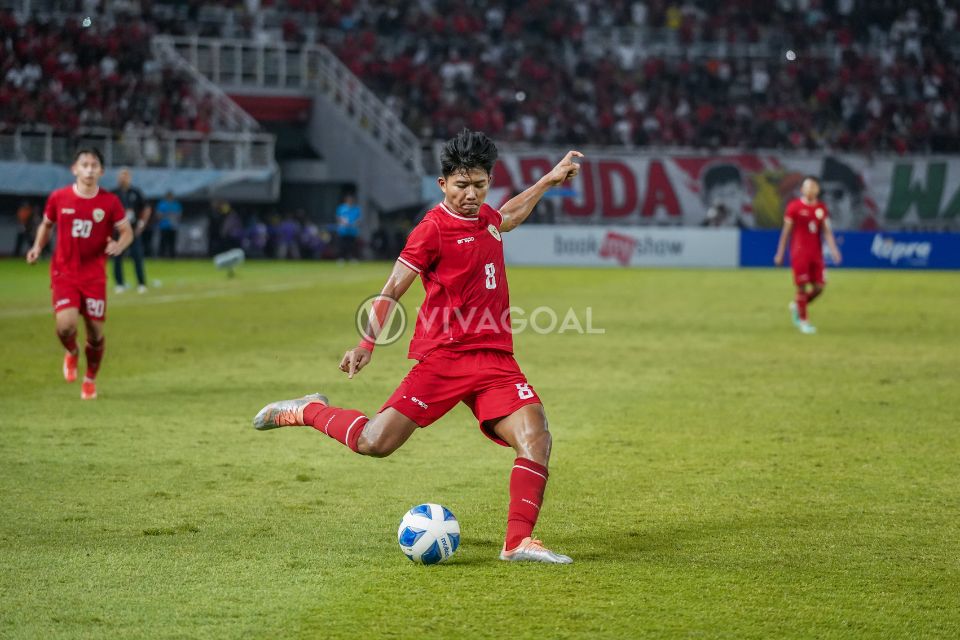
(377, 448)
(375, 443)
(66, 329)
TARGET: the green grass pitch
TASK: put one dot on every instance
(715, 473)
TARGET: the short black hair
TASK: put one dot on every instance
(93, 151)
(722, 174)
(466, 151)
(810, 176)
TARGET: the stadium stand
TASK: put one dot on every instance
(793, 74)
(65, 76)
(647, 75)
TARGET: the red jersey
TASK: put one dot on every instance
(84, 225)
(808, 221)
(460, 261)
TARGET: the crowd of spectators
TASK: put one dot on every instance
(859, 75)
(77, 72)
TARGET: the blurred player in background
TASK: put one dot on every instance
(85, 216)
(806, 221)
(463, 341)
(138, 214)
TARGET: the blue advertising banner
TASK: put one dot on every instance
(865, 250)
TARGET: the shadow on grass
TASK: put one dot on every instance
(677, 543)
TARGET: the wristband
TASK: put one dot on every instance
(367, 344)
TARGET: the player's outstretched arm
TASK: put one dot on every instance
(518, 208)
(831, 242)
(43, 237)
(397, 284)
(782, 245)
(116, 247)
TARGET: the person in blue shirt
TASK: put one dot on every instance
(348, 227)
(169, 212)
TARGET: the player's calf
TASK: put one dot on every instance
(814, 293)
(385, 433)
(94, 352)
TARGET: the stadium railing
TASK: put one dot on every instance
(163, 149)
(226, 114)
(280, 67)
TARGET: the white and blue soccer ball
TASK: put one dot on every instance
(429, 533)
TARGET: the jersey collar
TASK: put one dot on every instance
(77, 193)
(448, 211)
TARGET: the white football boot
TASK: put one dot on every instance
(532, 550)
(286, 413)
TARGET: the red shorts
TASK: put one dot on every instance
(489, 382)
(807, 270)
(90, 297)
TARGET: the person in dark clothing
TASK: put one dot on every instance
(26, 226)
(138, 213)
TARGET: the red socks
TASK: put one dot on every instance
(69, 342)
(94, 351)
(343, 425)
(527, 482)
(802, 304)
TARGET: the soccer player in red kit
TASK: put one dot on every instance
(85, 216)
(807, 221)
(462, 340)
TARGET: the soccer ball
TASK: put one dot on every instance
(428, 534)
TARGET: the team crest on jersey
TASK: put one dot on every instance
(819, 213)
(98, 215)
(494, 232)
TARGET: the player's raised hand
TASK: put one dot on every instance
(33, 255)
(113, 248)
(354, 360)
(565, 170)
